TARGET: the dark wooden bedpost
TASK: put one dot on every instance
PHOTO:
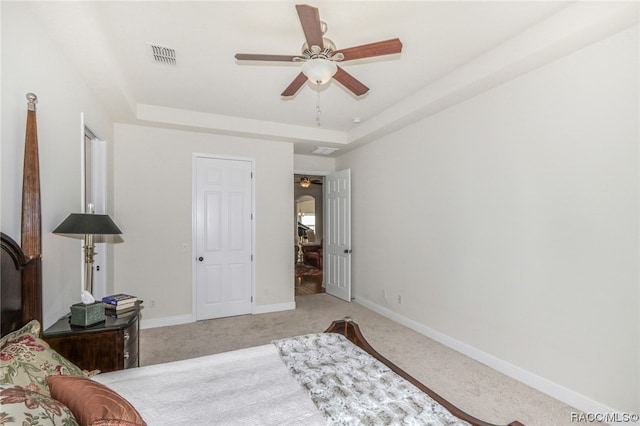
(31, 235)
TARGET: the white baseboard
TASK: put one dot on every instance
(185, 319)
(166, 321)
(276, 307)
(569, 397)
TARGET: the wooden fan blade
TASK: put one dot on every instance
(310, 20)
(350, 82)
(260, 57)
(295, 85)
(387, 47)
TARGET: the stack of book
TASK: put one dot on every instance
(119, 304)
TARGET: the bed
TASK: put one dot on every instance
(333, 377)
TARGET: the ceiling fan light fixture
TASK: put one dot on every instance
(319, 71)
(305, 182)
(320, 55)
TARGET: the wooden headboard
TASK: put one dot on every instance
(21, 285)
(21, 296)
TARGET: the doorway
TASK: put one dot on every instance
(94, 200)
(309, 223)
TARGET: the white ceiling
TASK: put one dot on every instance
(451, 50)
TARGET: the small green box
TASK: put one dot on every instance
(85, 315)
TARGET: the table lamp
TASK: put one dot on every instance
(89, 225)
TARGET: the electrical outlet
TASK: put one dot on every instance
(399, 299)
(153, 303)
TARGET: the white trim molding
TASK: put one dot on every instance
(275, 307)
(167, 321)
(189, 318)
(548, 387)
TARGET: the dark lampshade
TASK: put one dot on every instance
(86, 223)
(89, 224)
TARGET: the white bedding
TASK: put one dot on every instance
(240, 388)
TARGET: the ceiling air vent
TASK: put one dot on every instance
(163, 55)
(324, 150)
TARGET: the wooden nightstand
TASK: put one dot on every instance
(107, 346)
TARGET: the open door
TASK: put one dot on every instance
(338, 234)
(94, 200)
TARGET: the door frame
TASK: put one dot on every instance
(194, 230)
(324, 174)
(98, 180)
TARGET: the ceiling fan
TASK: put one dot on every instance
(320, 55)
(306, 181)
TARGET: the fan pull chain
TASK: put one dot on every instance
(318, 112)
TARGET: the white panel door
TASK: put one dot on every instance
(337, 234)
(223, 237)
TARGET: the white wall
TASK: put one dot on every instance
(153, 198)
(32, 63)
(313, 163)
(512, 225)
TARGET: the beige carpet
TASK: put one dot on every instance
(474, 387)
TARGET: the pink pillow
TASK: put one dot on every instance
(92, 403)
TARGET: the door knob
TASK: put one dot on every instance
(201, 258)
(347, 251)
